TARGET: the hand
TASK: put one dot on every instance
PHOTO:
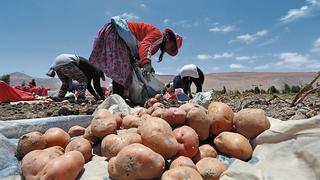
(147, 70)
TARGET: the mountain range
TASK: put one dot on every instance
(230, 80)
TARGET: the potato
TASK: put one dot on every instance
(174, 116)
(150, 102)
(82, 145)
(130, 130)
(141, 112)
(251, 122)
(188, 106)
(118, 116)
(29, 142)
(159, 97)
(188, 141)
(34, 162)
(158, 112)
(157, 134)
(89, 136)
(130, 121)
(158, 105)
(56, 137)
(76, 131)
(234, 145)
(198, 120)
(102, 126)
(182, 161)
(221, 117)
(145, 116)
(182, 173)
(204, 151)
(136, 161)
(210, 168)
(67, 166)
(112, 144)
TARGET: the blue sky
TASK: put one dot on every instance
(219, 35)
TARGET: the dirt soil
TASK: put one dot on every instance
(274, 107)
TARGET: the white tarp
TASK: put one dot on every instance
(288, 150)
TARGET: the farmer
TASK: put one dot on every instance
(73, 67)
(189, 74)
(119, 43)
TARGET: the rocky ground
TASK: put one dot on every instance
(276, 107)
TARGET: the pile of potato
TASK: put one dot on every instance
(171, 143)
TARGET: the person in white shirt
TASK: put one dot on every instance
(189, 74)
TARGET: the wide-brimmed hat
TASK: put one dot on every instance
(178, 41)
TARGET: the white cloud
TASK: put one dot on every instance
(227, 28)
(293, 58)
(316, 45)
(262, 67)
(129, 16)
(224, 55)
(245, 58)
(165, 21)
(236, 66)
(204, 56)
(247, 38)
(142, 5)
(303, 11)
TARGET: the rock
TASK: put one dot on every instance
(68, 110)
(298, 116)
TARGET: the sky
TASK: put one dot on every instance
(218, 35)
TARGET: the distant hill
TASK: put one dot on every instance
(231, 80)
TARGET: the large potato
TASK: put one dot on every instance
(130, 121)
(136, 161)
(204, 151)
(157, 134)
(76, 131)
(174, 116)
(210, 168)
(182, 172)
(188, 141)
(34, 162)
(82, 145)
(198, 120)
(251, 122)
(29, 142)
(118, 116)
(221, 117)
(234, 145)
(103, 125)
(182, 161)
(112, 144)
(56, 137)
(67, 166)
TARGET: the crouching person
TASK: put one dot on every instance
(72, 67)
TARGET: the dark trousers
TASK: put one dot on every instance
(117, 89)
(198, 82)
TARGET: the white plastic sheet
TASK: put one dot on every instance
(288, 150)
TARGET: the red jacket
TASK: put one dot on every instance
(149, 39)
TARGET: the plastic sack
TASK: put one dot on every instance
(140, 90)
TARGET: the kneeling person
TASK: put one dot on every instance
(72, 67)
